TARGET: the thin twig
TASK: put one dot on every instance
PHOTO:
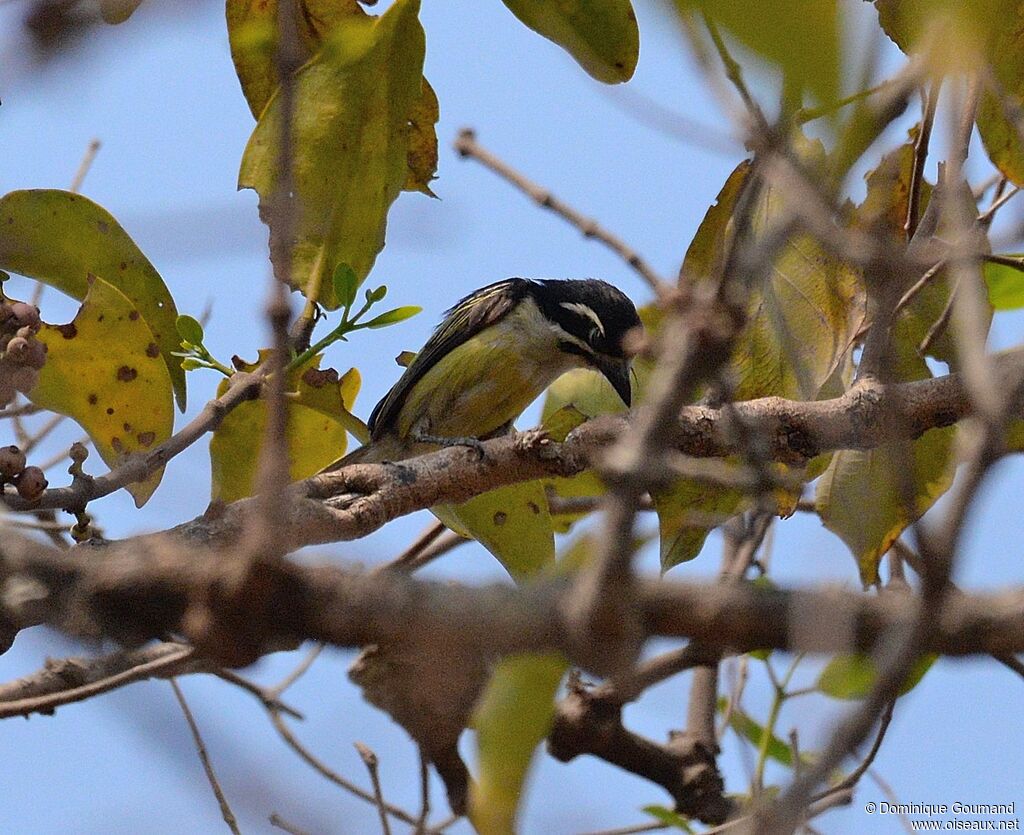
(298, 672)
(467, 146)
(47, 702)
(280, 823)
(421, 824)
(204, 758)
(409, 555)
(370, 761)
(986, 216)
(76, 184)
(325, 771)
(921, 157)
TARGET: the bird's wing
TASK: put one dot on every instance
(465, 320)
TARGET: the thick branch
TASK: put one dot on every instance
(151, 588)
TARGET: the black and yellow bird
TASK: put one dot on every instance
(492, 355)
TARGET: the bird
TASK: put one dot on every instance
(492, 355)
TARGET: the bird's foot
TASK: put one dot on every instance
(442, 441)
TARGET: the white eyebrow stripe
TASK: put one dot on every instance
(585, 311)
(565, 336)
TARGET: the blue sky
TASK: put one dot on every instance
(161, 95)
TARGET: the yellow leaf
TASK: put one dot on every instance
(252, 30)
(62, 238)
(353, 102)
(513, 523)
(104, 369)
(319, 420)
(601, 35)
(513, 716)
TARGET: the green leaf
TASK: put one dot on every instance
(399, 314)
(345, 285)
(377, 294)
(353, 102)
(802, 39)
(252, 33)
(189, 330)
(512, 718)
(863, 495)
(680, 507)
(319, 422)
(1005, 285)
(104, 370)
(601, 35)
(62, 238)
(668, 817)
(854, 676)
(118, 11)
(746, 727)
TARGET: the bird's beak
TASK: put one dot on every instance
(616, 372)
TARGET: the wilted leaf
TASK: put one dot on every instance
(351, 141)
(422, 157)
(62, 238)
(853, 676)
(319, 422)
(105, 371)
(801, 39)
(1005, 285)
(601, 35)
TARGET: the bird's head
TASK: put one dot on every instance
(590, 319)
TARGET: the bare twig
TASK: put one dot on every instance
(318, 765)
(204, 758)
(921, 157)
(468, 147)
(370, 761)
(280, 823)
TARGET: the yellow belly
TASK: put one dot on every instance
(478, 388)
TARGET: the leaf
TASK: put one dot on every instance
(346, 285)
(513, 716)
(863, 495)
(751, 730)
(105, 371)
(853, 676)
(571, 400)
(512, 522)
(319, 421)
(1005, 285)
(802, 39)
(62, 238)
(252, 33)
(118, 11)
(350, 142)
(601, 35)
(681, 529)
(189, 330)
(422, 156)
(399, 314)
(668, 817)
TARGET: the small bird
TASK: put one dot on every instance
(492, 355)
